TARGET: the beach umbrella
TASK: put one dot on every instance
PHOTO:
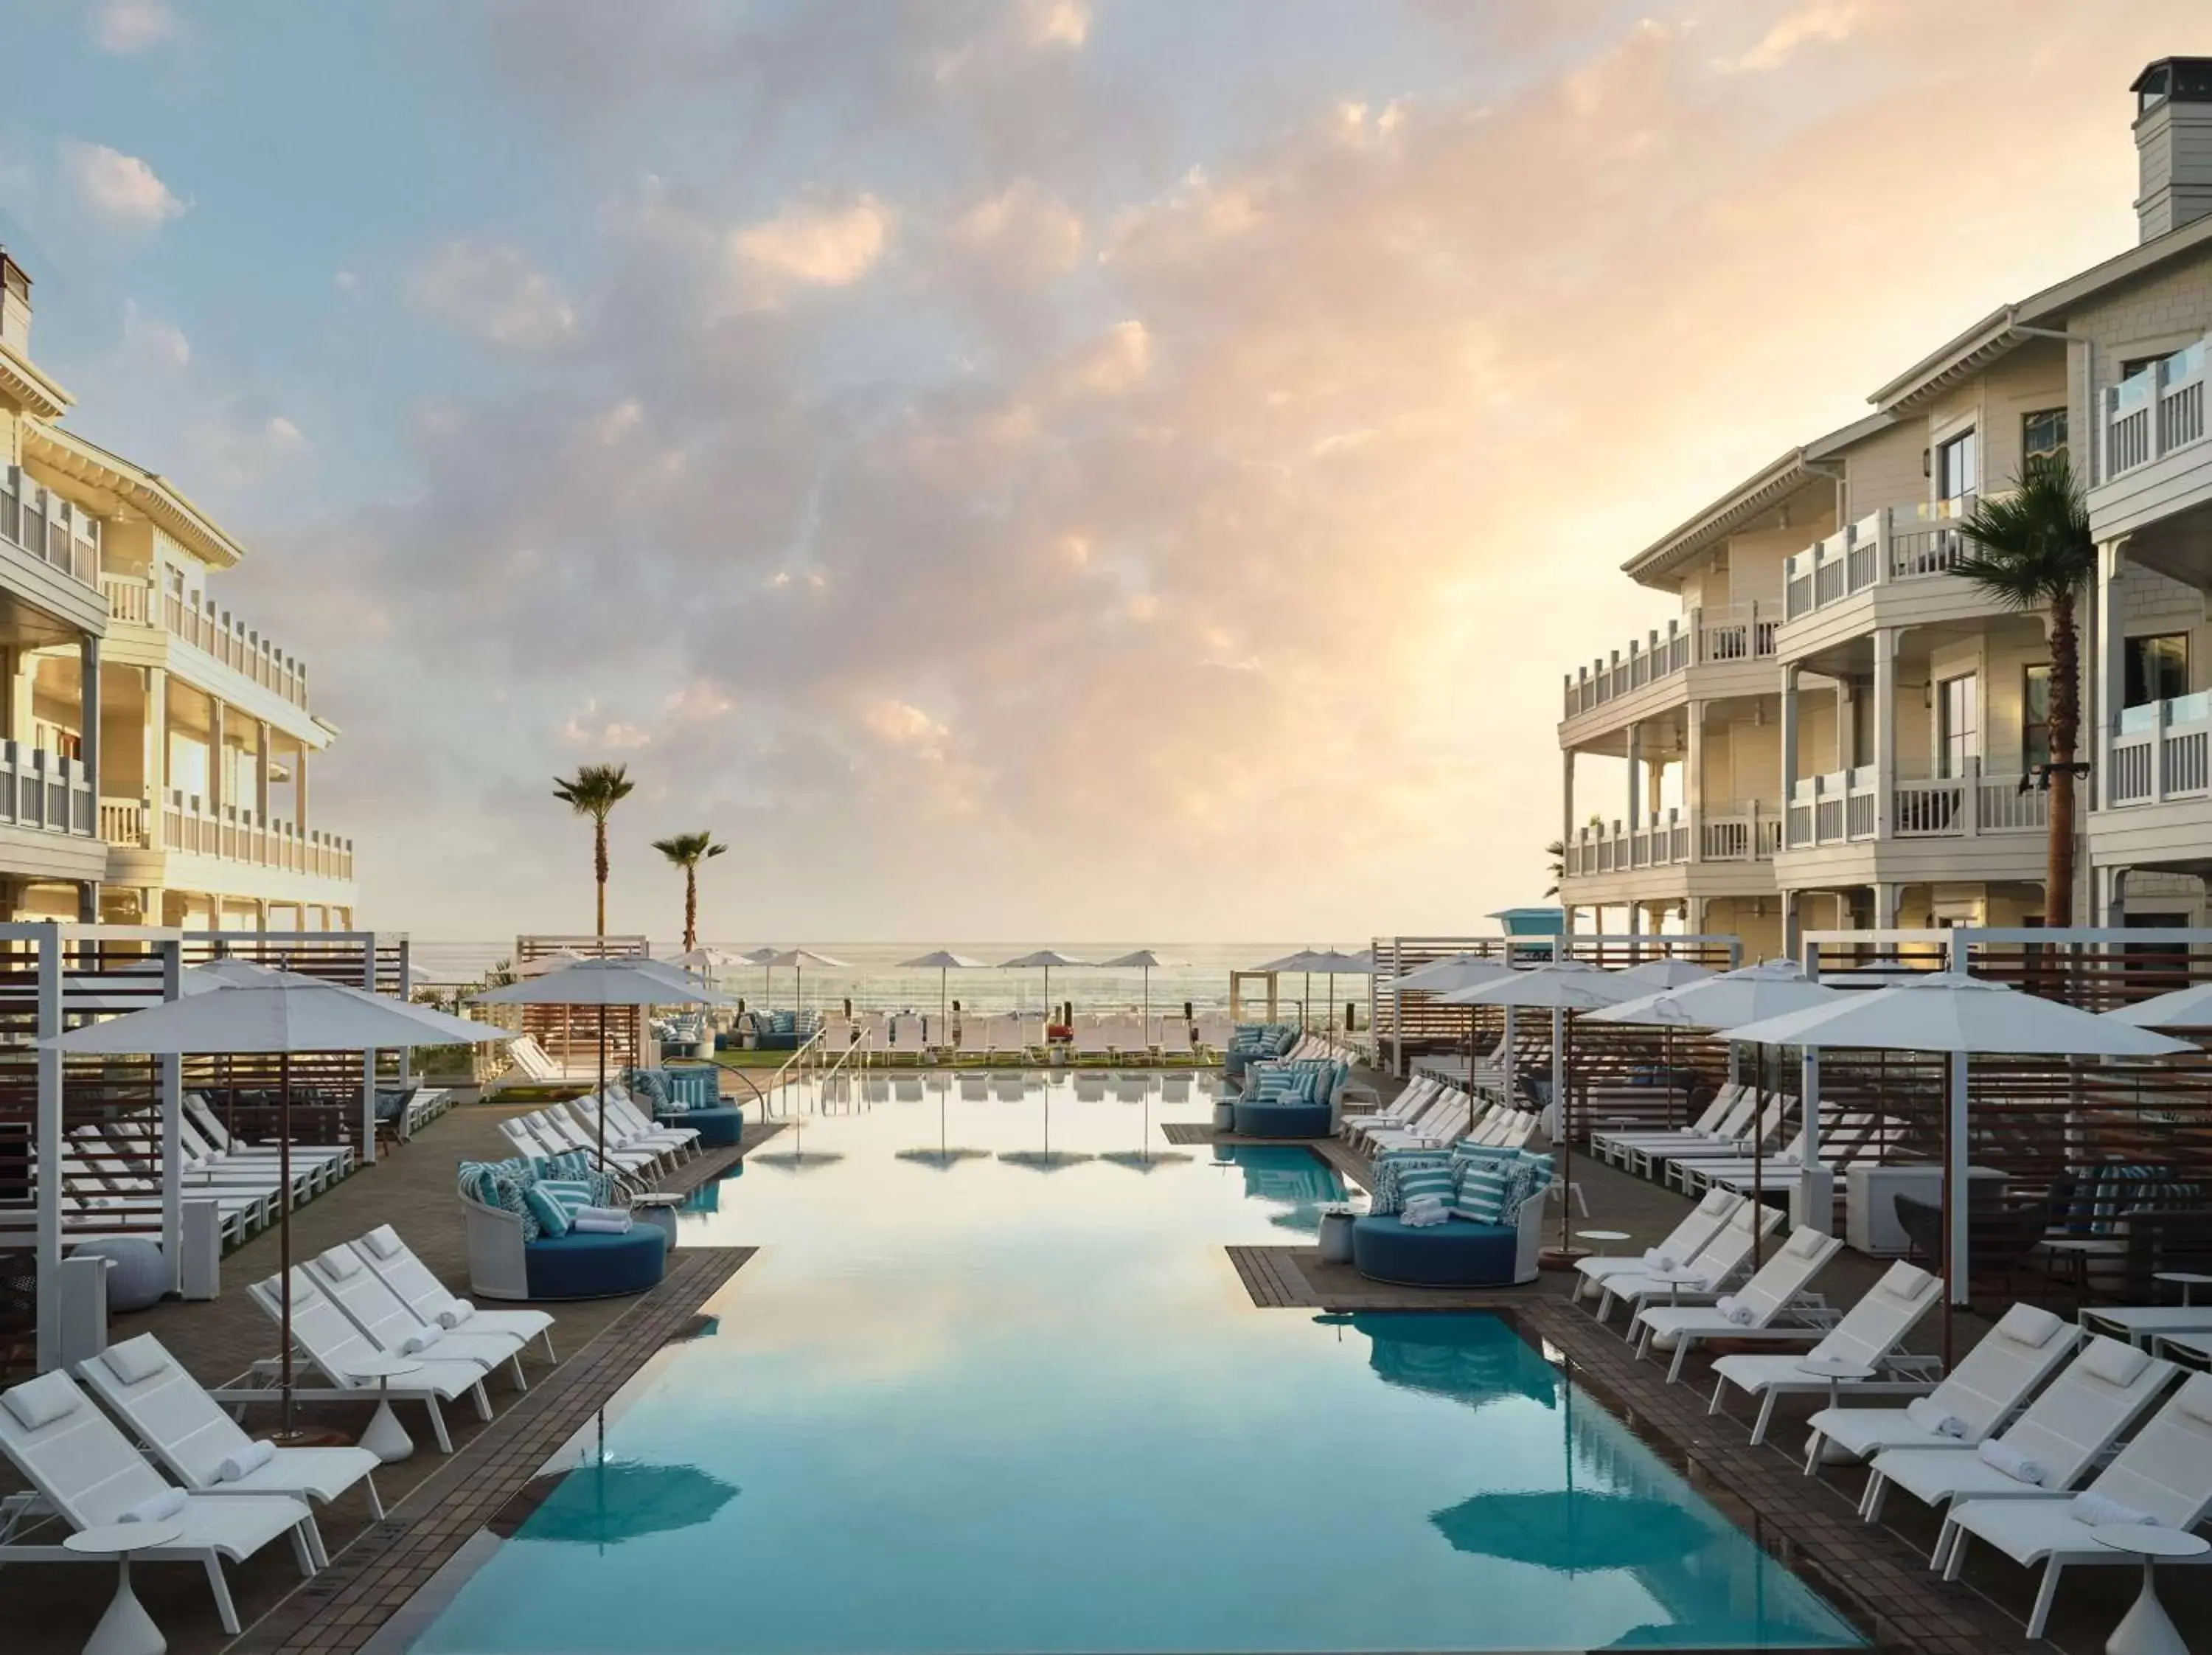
(1772, 988)
(796, 960)
(274, 1013)
(1449, 977)
(1959, 1015)
(1043, 1160)
(1144, 1160)
(610, 1501)
(1666, 973)
(1147, 960)
(943, 961)
(1560, 1529)
(2184, 1008)
(1333, 963)
(762, 957)
(944, 1155)
(1563, 987)
(1047, 959)
(603, 983)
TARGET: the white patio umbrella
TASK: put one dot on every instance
(266, 1010)
(708, 962)
(762, 957)
(1771, 988)
(1147, 960)
(2184, 1008)
(943, 961)
(1334, 963)
(604, 983)
(796, 960)
(1562, 987)
(1047, 959)
(1300, 961)
(1959, 1015)
(1666, 973)
(1444, 978)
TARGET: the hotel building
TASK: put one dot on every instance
(157, 750)
(1842, 731)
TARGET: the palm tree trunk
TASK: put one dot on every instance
(2065, 733)
(690, 909)
(599, 869)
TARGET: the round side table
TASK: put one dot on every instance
(1604, 1238)
(1225, 1116)
(1675, 1282)
(125, 1629)
(386, 1437)
(2146, 1629)
(2187, 1280)
(1835, 1370)
(1335, 1238)
(659, 1210)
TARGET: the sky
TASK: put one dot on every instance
(1037, 468)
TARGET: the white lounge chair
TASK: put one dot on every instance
(623, 1131)
(1654, 1160)
(330, 1343)
(1401, 1110)
(87, 1473)
(1008, 1088)
(975, 1087)
(1868, 1336)
(1771, 1298)
(338, 1157)
(2064, 1432)
(2165, 1472)
(1721, 1261)
(380, 1313)
(1735, 1107)
(176, 1417)
(1090, 1088)
(395, 1264)
(1681, 1243)
(1990, 1383)
(1610, 1145)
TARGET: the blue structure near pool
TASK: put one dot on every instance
(1489, 1233)
(1283, 1120)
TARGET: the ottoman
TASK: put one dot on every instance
(717, 1128)
(1453, 1254)
(583, 1265)
(1256, 1119)
(137, 1274)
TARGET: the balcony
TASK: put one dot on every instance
(1722, 635)
(2160, 751)
(188, 828)
(1897, 546)
(1741, 832)
(49, 527)
(44, 792)
(216, 635)
(1844, 807)
(2155, 413)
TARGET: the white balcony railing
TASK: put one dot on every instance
(189, 828)
(1669, 838)
(214, 633)
(1722, 633)
(43, 790)
(2161, 751)
(1895, 544)
(49, 527)
(2148, 415)
(1845, 806)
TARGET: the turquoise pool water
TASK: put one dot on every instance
(992, 1386)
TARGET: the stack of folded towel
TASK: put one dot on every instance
(603, 1221)
(1423, 1211)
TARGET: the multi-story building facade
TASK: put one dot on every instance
(156, 760)
(1909, 711)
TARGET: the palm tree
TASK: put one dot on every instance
(2033, 551)
(594, 791)
(687, 851)
(1557, 850)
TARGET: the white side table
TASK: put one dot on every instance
(1225, 1116)
(386, 1437)
(2146, 1629)
(125, 1629)
(1603, 1238)
(1335, 1238)
(2186, 1279)
(1675, 1282)
(1835, 1370)
(659, 1210)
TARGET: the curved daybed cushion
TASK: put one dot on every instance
(584, 1265)
(1299, 1120)
(717, 1128)
(1457, 1254)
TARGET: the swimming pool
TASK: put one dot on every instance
(992, 1385)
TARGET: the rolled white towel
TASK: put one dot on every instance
(2014, 1463)
(1734, 1310)
(588, 1225)
(603, 1212)
(456, 1313)
(154, 1508)
(416, 1343)
(1423, 1211)
(1934, 1416)
(246, 1461)
(1663, 1262)
(2097, 1510)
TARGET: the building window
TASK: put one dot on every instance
(2156, 668)
(2042, 438)
(1957, 468)
(1958, 726)
(2035, 717)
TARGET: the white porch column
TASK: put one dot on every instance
(1793, 945)
(2112, 896)
(87, 666)
(1789, 748)
(1693, 786)
(1694, 915)
(1567, 811)
(1634, 737)
(1884, 732)
(218, 793)
(299, 789)
(261, 772)
(2108, 680)
(1885, 906)
(156, 758)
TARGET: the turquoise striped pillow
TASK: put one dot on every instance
(552, 1218)
(572, 1196)
(1394, 1166)
(1484, 1188)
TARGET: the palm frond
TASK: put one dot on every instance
(595, 789)
(2031, 547)
(688, 850)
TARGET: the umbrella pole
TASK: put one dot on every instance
(285, 1230)
(1562, 1032)
(601, 1109)
(1758, 1154)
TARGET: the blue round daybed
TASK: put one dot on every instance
(1282, 1120)
(1454, 1255)
(580, 1265)
(717, 1128)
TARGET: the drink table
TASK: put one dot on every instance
(125, 1629)
(1835, 1370)
(2146, 1629)
(2187, 1279)
(658, 1209)
(386, 1437)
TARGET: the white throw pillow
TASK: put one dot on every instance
(136, 1359)
(341, 1262)
(39, 1402)
(384, 1241)
(2026, 1324)
(1806, 1243)
(2114, 1363)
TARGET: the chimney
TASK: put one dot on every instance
(15, 305)
(2174, 144)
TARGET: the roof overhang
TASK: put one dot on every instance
(24, 383)
(132, 486)
(1747, 502)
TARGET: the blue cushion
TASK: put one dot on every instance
(552, 1217)
(717, 1127)
(1456, 1254)
(585, 1265)
(1287, 1119)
